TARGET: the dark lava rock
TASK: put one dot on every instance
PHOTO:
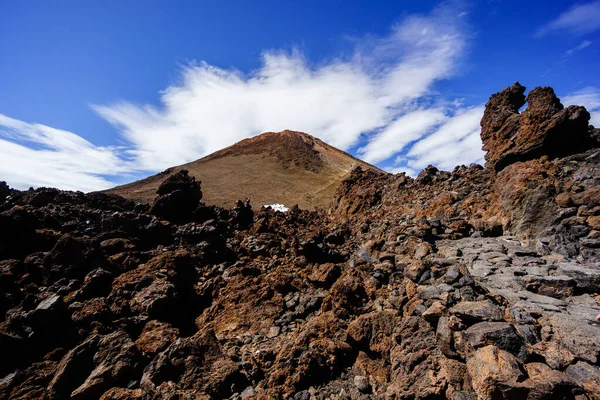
(385, 295)
(178, 197)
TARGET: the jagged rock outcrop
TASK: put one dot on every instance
(545, 127)
(4, 191)
(178, 197)
(479, 283)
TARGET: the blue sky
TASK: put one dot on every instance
(94, 94)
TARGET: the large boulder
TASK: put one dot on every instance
(545, 127)
(194, 363)
(496, 374)
(96, 365)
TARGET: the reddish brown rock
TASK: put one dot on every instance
(501, 121)
(320, 350)
(196, 363)
(555, 355)
(546, 383)
(564, 200)
(374, 330)
(156, 337)
(383, 296)
(496, 374)
(545, 127)
(419, 369)
(477, 311)
(116, 363)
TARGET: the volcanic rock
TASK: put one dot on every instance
(545, 127)
(4, 191)
(475, 283)
(178, 197)
(496, 374)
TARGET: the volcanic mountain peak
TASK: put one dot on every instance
(290, 147)
(286, 167)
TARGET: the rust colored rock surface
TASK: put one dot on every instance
(545, 127)
(476, 283)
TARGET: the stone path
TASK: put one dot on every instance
(550, 301)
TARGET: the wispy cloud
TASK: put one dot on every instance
(397, 135)
(588, 97)
(38, 155)
(374, 90)
(580, 46)
(379, 99)
(455, 142)
(577, 20)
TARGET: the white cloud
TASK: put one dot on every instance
(380, 99)
(396, 170)
(581, 46)
(337, 101)
(577, 20)
(452, 140)
(400, 133)
(51, 157)
(455, 142)
(588, 97)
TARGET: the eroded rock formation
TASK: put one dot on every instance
(545, 127)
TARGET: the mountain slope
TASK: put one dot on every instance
(275, 167)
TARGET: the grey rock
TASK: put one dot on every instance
(50, 303)
(522, 317)
(528, 333)
(248, 392)
(495, 257)
(501, 334)
(362, 383)
(590, 243)
(587, 278)
(580, 230)
(273, 332)
(443, 334)
(559, 287)
(419, 309)
(575, 334)
(464, 395)
(428, 292)
(452, 275)
(445, 288)
(483, 310)
(482, 269)
(303, 395)
(585, 375)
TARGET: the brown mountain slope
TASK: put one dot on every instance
(275, 167)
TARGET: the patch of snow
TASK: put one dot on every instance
(277, 207)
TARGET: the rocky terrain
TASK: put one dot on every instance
(272, 168)
(480, 283)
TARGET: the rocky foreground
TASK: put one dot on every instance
(482, 282)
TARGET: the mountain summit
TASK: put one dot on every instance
(285, 167)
